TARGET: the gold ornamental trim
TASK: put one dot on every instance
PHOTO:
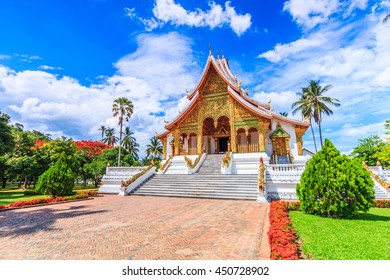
(226, 159)
(135, 177)
(376, 177)
(191, 164)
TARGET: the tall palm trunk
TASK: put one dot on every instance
(314, 138)
(319, 128)
(120, 145)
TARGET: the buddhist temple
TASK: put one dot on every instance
(221, 117)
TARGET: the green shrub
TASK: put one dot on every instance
(335, 185)
(58, 180)
(27, 192)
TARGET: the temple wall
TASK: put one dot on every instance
(289, 128)
(169, 139)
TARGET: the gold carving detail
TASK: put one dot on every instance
(216, 107)
(191, 164)
(215, 84)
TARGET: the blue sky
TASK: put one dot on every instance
(62, 63)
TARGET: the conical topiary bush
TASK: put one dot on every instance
(334, 185)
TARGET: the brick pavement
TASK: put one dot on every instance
(135, 228)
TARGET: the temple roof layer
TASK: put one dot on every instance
(234, 90)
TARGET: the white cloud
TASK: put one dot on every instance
(282, 51)
(310, 13)
(154, 77)
(27, 57)
(4, 57)
(47, 67)
(168, 11)
(353, 57)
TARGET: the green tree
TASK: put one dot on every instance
(154, 149)
(58, 180)
(386, 18)
(304, 105)
(319, 103)
(368, 148)
(102, 128)
(110, 138)
(130, 143)
(6, 139)
(123, 109)
(334, 185)
(284, 114)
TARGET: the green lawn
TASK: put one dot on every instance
(365, 237)
(13, 196)
(10, 196)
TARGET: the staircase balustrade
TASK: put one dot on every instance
(248, 148)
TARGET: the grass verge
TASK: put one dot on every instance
(365, 237)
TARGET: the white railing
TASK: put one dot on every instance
(285, 167)
(284, 173)
(121, 170)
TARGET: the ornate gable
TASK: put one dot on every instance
(280, 132)
(214, 83)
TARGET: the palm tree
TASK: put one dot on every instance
(122, 108)
(284, 114)
(154, 149)
(304, 106)
(319, 103)
(110, 138)
(386, 19)
(103, 129)
(130, 143)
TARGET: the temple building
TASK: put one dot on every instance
(222, 145)
(221, 117)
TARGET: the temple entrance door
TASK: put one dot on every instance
(223, 144)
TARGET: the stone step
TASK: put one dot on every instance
(201, 186)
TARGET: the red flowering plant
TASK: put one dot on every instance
(282, 238)
(38, 144)
(92, 148)
(382, 203)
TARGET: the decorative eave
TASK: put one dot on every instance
(162, 135)
(183, 114)
(219, 66)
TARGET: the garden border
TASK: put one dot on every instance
(46, 204)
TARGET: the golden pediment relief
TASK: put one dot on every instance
(214, 84)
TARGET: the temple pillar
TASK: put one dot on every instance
(216, 145)
(200, 128)
(299, 132)
(176, 137)
(263, 127)
(164, 144)
(232, 121)
(208, 149)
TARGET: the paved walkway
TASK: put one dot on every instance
(137, 227)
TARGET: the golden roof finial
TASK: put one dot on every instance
(271, 111)
(239, 83)
(235, 77)
(269, 103)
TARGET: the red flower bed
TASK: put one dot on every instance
(80, 195)
(281, 236)
(36, 201)
(382, 203)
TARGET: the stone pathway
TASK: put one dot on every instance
(135, 228)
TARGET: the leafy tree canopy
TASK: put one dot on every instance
(335, 185)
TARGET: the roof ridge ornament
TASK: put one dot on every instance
(210, 50)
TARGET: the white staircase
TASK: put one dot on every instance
(111, 181)
(201, 186)
(247, 163)
(211, 165)
(207, 183)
